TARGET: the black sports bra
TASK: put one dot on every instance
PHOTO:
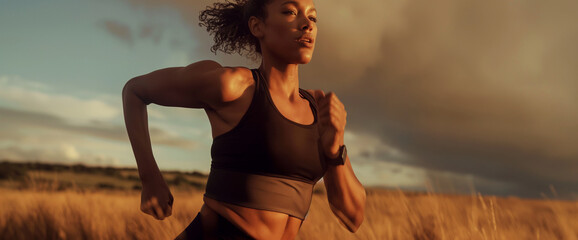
(267, 161)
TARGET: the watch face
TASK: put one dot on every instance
(344, 153)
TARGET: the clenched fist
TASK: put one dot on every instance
(156, 199)
(332, 120)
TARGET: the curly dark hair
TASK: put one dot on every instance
(228, 22)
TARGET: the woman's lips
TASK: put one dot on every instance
(305, 42)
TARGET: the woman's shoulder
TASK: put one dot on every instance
(232, 82)
(214, 70)
(237, 75)
(215, 84)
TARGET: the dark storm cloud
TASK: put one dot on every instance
(15, 121)
(486, 88)
(482, 88)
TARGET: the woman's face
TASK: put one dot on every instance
(290, 30)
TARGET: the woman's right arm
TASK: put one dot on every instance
(204, 84)
(178, 86)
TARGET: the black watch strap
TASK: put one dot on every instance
(340, 159)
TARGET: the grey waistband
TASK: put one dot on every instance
(262, 192)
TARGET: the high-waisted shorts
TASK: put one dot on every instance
(225, 230)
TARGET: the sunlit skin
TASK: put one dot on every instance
(287, 38)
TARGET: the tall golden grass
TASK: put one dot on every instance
(38, 214)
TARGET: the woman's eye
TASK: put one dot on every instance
(290, 12)
(313, 19)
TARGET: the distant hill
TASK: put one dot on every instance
(49, 176)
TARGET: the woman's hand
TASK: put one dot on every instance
(332, 119)
(156, 198)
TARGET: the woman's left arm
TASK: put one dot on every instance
(345, 193)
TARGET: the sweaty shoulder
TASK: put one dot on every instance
(222, 85)
(234, 82)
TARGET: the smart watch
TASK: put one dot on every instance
(340, 159)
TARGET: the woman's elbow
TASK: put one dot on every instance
(352, 214)
(129, 91)
(356, 221)
(128, 88)
(352, 222)
(359, 215)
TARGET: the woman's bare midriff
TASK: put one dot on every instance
(260, 224)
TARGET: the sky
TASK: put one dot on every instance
(454, 96)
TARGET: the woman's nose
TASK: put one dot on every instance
(307, 24)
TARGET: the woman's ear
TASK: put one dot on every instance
(256, 26)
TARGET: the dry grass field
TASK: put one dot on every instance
(40, 201)
(101, 214)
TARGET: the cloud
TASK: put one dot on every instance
(119, 30)
(29, 136)
(478, 89)
(35, 96)
(151, 31)
(377, 163)
(370, 147)
(30, 105)
(38, 124)
(15, 124)
(129, 35)
(63, 153)
(475, 88)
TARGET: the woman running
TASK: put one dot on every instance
(272, 141)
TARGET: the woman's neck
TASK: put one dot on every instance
(282, 78)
